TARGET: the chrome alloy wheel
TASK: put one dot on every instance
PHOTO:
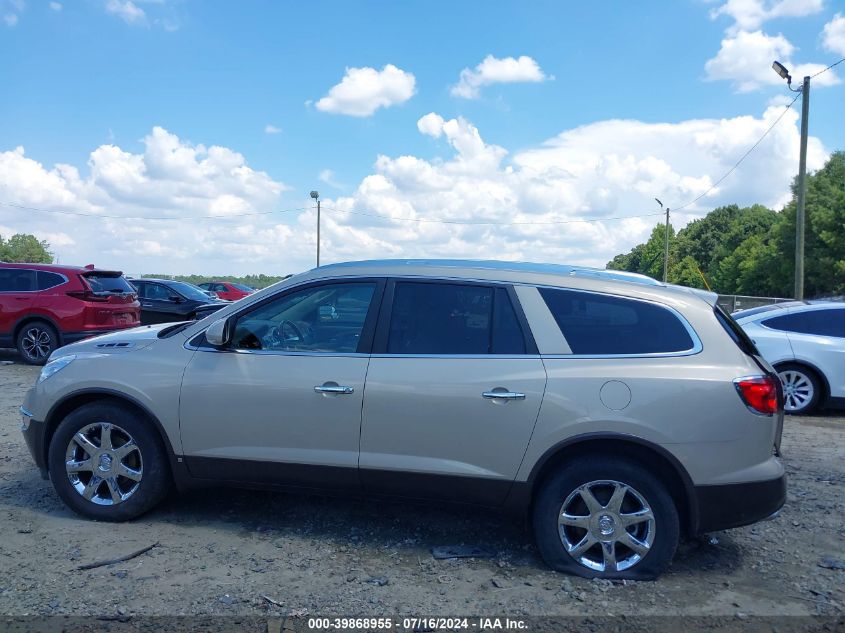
(103, 463)
(798, 390)
(36, 343)
(606, 526)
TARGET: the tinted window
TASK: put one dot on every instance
(157, 292)
(243, 288)
(429, 318)
(49, 280)
(108, 283)
(327, 318)
(819, 322)
(17, 280)
(604, 324)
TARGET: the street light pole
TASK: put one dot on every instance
(800, 216)
(316, 196)
(665, 244)
(802, 191)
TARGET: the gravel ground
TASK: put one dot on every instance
(228, 551)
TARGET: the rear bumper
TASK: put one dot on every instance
(734, 505)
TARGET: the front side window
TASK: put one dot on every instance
(594, 323)
(819, 322)
(328, 318)
(443, 318)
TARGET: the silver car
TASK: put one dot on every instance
(617, 412)
(805, 342)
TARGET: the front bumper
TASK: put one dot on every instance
(34, 435)
(733, 505)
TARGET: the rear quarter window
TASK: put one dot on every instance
(601, 324)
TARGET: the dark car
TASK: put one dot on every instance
(165, 300)
(43, 306)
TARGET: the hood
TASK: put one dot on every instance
(116, 342)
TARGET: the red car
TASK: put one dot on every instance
(43, 307)
(227, 290)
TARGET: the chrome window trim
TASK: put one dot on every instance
(696, 348)
(36, 271)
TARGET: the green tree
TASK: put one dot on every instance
(23, 247)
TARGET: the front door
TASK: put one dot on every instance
(282, 402)
(453, 393)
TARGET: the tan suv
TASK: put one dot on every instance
(621, 413)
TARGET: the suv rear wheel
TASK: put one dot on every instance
(107, 462)
(36, 341)
(603, 517)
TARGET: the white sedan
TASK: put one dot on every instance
(805, 342)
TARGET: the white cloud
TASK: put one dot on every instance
(128, 11)
(56, 6)
(364, 90)
(745, 58)
(598, 171)
(751, 14)
(493, 71)
(11, 19)
(328, 176)
(833, 36)
(272, 129)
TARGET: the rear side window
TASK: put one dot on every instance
(820, 322)
(443, 318)
(49, 280)
(595, 323)
(108, 283)
(17, 280)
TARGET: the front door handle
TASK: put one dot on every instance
(503, 395)
(334, 388)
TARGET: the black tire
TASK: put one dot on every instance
(36, 341)
(560, 485)
(150, 459)
(799, 376)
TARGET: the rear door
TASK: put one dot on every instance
(453, 391)
(17, 293)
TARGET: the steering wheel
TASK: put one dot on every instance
(279, 332)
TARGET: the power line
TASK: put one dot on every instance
(743, 157)
(472, 223)
(146, 217)
(824, 70)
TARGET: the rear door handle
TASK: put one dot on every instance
(340, 389)
(503, 395)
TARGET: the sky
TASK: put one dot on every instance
(184, 136)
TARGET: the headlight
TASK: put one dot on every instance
(54, 366)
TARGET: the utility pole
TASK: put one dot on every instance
(665, 243)
(802, 191)
(316, 196)
(800, 215)
(666, 248)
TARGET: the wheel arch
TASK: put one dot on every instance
(37, 316)
(824, 396)
(652, 456)
(73, 401)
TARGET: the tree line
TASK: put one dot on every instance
(751, 250)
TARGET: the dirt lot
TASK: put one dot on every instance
(221, 552)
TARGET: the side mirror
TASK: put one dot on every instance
(218, 333)
(176, 299)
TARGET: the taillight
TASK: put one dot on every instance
(759, 393)
(87, 295)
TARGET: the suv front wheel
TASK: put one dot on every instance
(107, 462)
(603, 517)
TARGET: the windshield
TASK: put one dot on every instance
(244, 288)
(189, 291)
